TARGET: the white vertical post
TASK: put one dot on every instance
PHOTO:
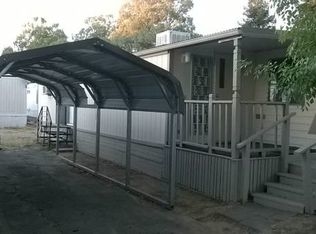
(172, 159)
(97, 139)
(307, 182)
(245, 172)
(74, 135)
(58, 110)
(285, 141)
(236, 98)
(128, 147)
(210, 122)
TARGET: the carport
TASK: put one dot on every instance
(114, 79)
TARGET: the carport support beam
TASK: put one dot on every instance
(74, 137)
(128, 147)
(58, 107)
(97, 139)
(172, 158)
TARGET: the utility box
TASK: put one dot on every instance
(170, 36)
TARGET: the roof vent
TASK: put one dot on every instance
(169, 37)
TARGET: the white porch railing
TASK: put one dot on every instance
(245, 148)
(208, 124)
(309, 188)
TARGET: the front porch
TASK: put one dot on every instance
(233, 147)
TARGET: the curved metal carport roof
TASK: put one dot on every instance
(113, 77)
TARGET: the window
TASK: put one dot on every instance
(222, 73)
(273, 94)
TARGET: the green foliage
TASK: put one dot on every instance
(7, 50)
(297, 73)
(38, 33)
(99, 26)
(140, 20)
(257, 15)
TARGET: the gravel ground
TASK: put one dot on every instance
(39, 193)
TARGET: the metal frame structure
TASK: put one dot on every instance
(114, 78)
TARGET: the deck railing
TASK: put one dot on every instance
(208, 123)
(245, 148)
(257, 115)
(309, 187)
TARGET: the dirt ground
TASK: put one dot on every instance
(33, 172)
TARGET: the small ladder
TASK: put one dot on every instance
(44, 125)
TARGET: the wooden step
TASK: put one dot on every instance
(278, 203)
(296, 169)
(292, 180)
(285, 191)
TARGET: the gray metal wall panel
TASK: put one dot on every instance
(144, 158)
(12, 102)
(146, 126)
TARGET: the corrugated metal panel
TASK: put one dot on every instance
(12, 96)
(144, 158)
(146, 126)
(12, 102)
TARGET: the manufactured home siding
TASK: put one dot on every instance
(161, 60)
(12, 102)
(182, 70)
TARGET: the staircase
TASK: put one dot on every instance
(288, 193)
(47, 131)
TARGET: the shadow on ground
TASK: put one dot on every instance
(39, 193)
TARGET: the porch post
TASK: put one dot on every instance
(58, 110)
(210, 122)
(128, 147)
(97, 139)
(236, 98)
(74, 136)
(285, 140)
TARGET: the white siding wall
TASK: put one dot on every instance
(161, 60)
(32, 99)
(46, 100)
(12, 102)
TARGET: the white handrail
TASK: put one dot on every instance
(309, 200)
(263, 131)
(263, 103)
(304, 149)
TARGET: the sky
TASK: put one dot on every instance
(209, 16)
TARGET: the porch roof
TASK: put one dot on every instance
(255, 39)
(114, 78)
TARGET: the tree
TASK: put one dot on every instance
(98, 26)
(38, 33)
(140, 20)
(7, 50)
(296, 75)
(257, 15)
